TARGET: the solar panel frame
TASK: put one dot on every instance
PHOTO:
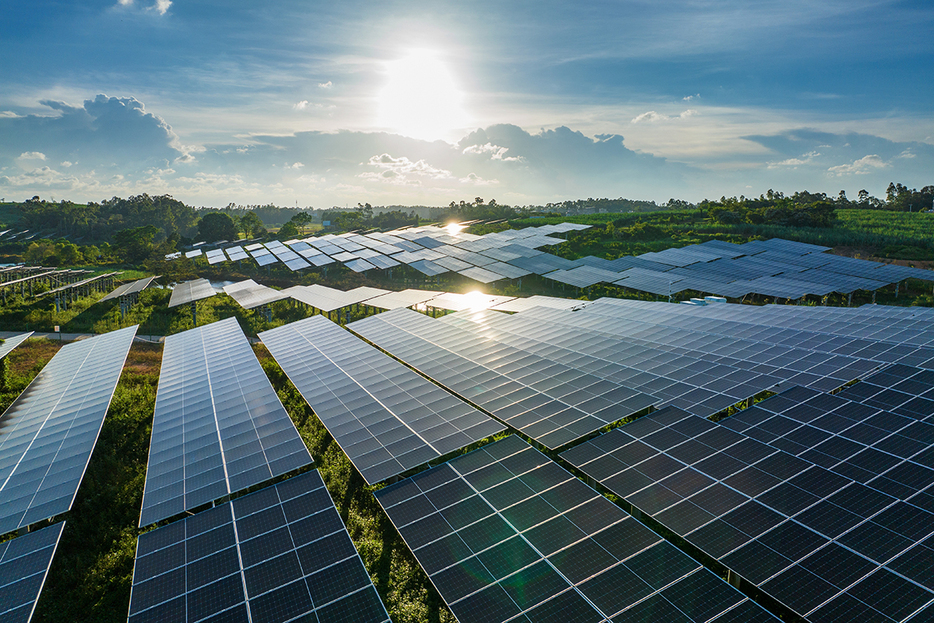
(12, 342)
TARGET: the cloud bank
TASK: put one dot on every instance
(114, 146)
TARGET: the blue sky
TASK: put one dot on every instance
(326, 104)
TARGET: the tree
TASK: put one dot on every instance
(252, 225)
(287, 231)
(301, 220)
(135, 244)
(217, 226)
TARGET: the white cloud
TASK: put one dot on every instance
(9, 114)
(186, 159)
(161, 6)
(907, 154)
(125, 2)
(294, 165)
(652, 116)
(476, 180)
(496, 152)
(302, 105)
(864, 165)
(32, 155)
(696, 96)
(325, 85)
(67, 164)
(400, 171)
(795, 162)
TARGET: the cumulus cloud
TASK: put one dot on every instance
(696, 96)
(476, 180)
(648, 116)
(325, 85)
(401, 170)
(496, 152)
(302, 105)
(795, 162)
(161, 6)
(32, 155)
(864, 165)
(294, 165)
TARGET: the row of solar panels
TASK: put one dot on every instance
(430, 250)
(389, 419)
(250, 295)
(775, 267)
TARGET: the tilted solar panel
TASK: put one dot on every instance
(24, 565)
(504, 531)
(385, 417)
(218, 426)
(48, 433)
(279, 554)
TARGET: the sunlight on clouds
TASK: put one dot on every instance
(421, 98)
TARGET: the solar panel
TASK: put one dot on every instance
(193, 254)
(472, 300)
(405, 298)
(481, 274)
(12, 342)
(807, 536)
(236, 253)
(48, 433)
(428, 267)
(504, 532)
(279, 554)
(385, 417)
(359, 266)
(537, 300)
(266, 259)
(250, 294)
(191, 291)
(130, 288)
(218, 426)
(24, 565)
(546, 399)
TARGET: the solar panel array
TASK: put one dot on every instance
(48, 433)
(191, 291)
(24, 565)
(546, 399)
(506, 534)
(385, 417)
(430, 250)
(817, 500)
(218, 426)
(279, 554)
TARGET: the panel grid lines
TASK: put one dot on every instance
(504, 532)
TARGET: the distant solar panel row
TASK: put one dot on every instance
(546, 399)
(385, 417)
(280, 554)
(218, 426)
(48, 433)
(506, 534)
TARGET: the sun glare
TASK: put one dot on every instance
(421, 98)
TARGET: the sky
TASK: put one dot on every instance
(321, 104)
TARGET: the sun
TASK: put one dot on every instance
(421, 98)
